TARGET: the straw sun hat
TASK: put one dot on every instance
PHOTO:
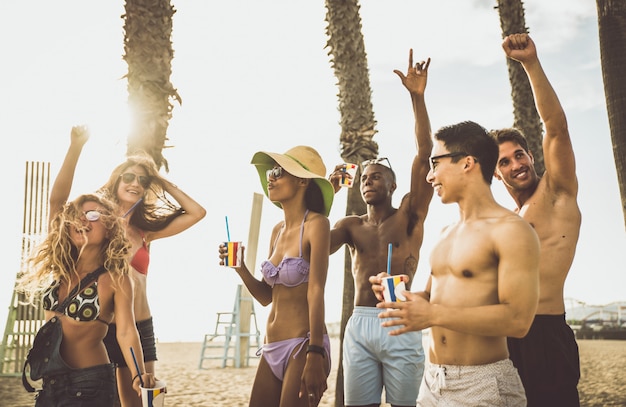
(301, 162)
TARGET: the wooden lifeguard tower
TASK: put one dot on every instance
(24, 320)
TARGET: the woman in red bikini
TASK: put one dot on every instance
(141, 194)
(295, 360)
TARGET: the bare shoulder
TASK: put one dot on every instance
(350, 221)
(405, 202)
(550, 202)
(277, 227)
(511, 224)
(318, 220)
(115, 280)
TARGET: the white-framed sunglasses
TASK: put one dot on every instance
(92, 215)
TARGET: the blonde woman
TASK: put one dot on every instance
(295, 360)
(86, 235)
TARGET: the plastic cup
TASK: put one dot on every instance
(154, 396)
(349, 169)
(235, 253)
(392, 289)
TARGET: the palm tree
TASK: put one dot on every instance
(148, 52)
(349, 61)
(612, 30)
(526, 118)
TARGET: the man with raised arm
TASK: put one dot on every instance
(547, 358)
(484, 282)
(371, 358)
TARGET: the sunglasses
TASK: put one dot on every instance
(433, 160)
(274, 173)
(384, 161)
(92, 215)
(129, 177)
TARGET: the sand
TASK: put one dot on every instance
(603, 381)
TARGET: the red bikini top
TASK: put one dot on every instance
(141, 259)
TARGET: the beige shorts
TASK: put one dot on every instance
(494, 384)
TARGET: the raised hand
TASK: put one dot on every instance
(416, 75)
(79, 135)
(519, 47)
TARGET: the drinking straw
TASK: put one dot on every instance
(132, 352)
(227, 230)
(132, 207)
(389, 258)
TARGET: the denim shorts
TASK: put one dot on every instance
(90, 387)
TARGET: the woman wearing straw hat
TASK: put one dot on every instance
(295, 360)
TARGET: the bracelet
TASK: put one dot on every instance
(316, 349)
(136, 376)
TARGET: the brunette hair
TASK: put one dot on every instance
(155, 211)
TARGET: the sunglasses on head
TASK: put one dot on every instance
(92, 215)
(384, 161)
(274, 173)
(129, 177)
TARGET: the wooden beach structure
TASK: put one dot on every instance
(24, 320)
(236, 332)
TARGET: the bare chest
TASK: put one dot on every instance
(465, 252)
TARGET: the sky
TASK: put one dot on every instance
(256, 76)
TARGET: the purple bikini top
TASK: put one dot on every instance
(292, 271)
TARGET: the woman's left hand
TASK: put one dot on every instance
(313, 383)
(148, 382)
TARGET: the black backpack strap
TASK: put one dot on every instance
(25, 382)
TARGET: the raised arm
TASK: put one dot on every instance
(193, 212)
(415, 82)
(63, 182)
(557, 145)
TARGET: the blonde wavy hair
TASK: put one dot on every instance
(55, 259)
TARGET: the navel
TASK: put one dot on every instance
(467, 273)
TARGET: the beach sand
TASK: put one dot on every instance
(603, 381)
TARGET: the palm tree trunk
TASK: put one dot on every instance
(525, 114)
(349, 61)
(612, 30)
(148, 52)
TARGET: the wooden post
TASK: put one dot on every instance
(245, 306)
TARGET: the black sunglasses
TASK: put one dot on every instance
(129, 177)
(274, 173)
(433, 160)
